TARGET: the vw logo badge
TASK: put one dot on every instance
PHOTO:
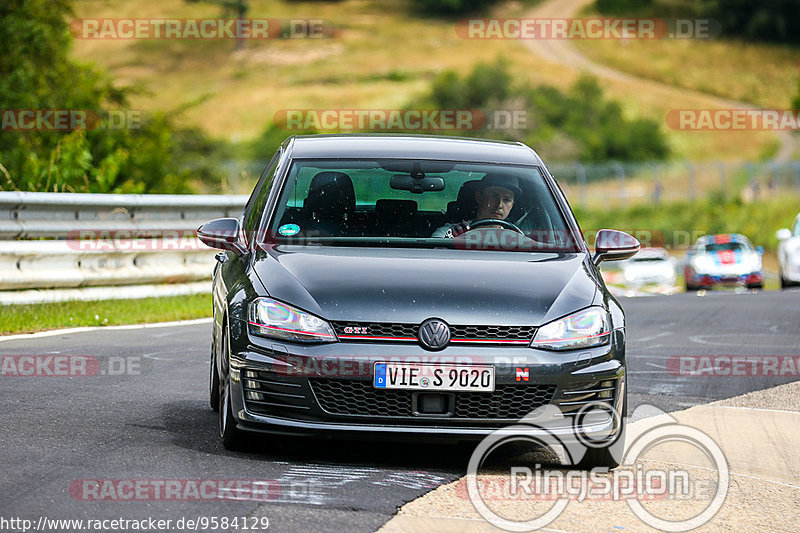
(434, 334)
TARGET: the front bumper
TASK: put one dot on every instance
(711, 280)
(326, 390)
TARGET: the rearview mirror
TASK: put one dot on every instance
(613, 245)
(221, 233)
(415, 185)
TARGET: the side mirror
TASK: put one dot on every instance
(613, 245)
(783, 234)
(222, 233)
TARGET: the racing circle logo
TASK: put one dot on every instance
(434, 334)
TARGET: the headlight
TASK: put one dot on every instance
(583, 329)
(703, 264)
(754, 262)
(277, 320)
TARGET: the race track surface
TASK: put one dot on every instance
(152, 420)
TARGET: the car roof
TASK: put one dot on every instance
(404, 146)
(724, 238)
(651, 252)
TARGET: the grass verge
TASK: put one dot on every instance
(678, 225)
(38, 317)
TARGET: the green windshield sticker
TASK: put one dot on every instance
(287, 230)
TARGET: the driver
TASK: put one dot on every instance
(495, 197)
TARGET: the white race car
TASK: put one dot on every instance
(789, 254)
(726, 259)
(651, 267)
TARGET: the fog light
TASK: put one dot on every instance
(250, 374)
(250, 384)
(254, 396)
(597, 417)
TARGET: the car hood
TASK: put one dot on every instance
(409, 286)
(727, 262)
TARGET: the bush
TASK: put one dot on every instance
(775, 21)
(675, 222)
(592, 127)
(450, 7)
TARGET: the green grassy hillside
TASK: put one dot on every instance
(383, 55)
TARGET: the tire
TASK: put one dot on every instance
(785, 283)
(213, 380)
(609, 456)
(232, 437)
(686, 278)
(598, 458)
(605, 456)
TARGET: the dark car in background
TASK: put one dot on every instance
(338, 313)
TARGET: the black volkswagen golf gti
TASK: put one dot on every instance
(421, 286)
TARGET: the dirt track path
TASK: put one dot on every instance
(562, 52)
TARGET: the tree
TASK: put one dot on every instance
(796, 100)
(36, 73)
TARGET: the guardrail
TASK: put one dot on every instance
(55, 215)
(58, 264)
(40, 246)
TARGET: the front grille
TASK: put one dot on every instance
(389, 332)
(492, 332)
(360, 398)
(352, 397)
(377, 329)
(507, 401)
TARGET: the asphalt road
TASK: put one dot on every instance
(144, 415)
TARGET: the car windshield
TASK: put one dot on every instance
(725, 247)
(413, 203)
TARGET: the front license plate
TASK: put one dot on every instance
(418, 376)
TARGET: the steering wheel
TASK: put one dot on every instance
(495, 221)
